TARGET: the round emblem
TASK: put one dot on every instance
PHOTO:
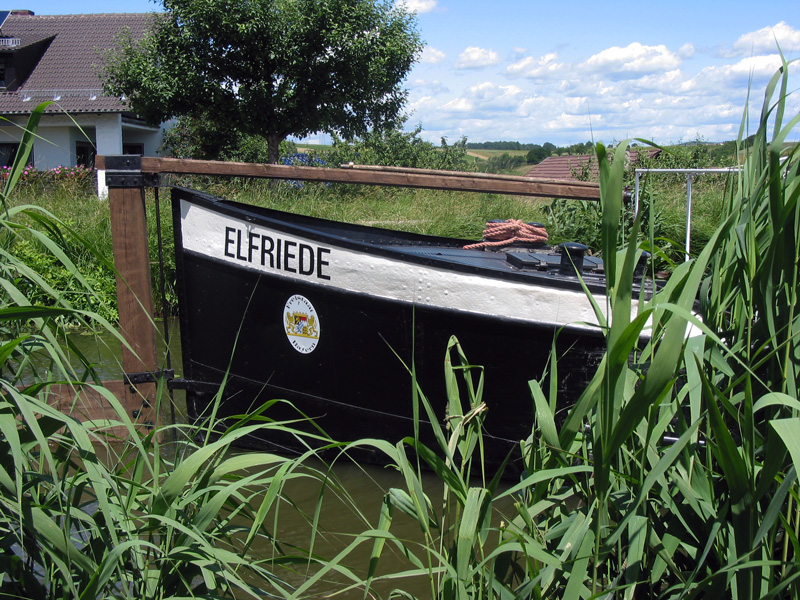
(302, 324)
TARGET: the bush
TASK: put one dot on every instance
(503, 163)
(398, 148)
(69, 180)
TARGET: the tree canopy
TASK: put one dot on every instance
(271, 67)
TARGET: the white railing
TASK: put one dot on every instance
(689, 173)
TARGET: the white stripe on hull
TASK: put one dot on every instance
(261, 249)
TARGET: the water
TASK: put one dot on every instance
(340, 518)
(104, 351)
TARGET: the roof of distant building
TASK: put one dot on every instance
(565, 167)
(59, 58)
(574, 165)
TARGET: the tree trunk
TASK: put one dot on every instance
(274, 147)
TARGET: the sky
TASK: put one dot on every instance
(572, 71)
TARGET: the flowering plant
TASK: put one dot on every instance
(60, 173)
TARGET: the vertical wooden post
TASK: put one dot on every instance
(126, 195)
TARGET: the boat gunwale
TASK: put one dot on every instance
(288, 222)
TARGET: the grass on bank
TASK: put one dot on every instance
(448, 214)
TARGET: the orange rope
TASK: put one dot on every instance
(508, 232)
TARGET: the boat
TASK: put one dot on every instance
(331, 316)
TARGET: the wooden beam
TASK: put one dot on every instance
(134, 296)
(86, 403)
(385, 176)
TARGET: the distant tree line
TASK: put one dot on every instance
(716, 154)
(536, 152)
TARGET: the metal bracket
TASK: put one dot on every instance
(125, 171)
(133, 379)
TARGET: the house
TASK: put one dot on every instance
(58, 58)
(583, 166)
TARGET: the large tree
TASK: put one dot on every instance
(271, 67)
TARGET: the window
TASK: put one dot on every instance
(84, 154)
(8, 152)
(133, 148)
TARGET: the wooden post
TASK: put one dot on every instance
(126, 195)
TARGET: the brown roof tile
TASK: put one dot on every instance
(71, 50)
(564, 167)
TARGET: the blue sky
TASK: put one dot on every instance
(571, 71)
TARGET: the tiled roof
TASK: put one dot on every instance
(563, 167)
(638, 155)
(71, 50)
(566, 167)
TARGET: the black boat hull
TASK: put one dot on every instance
(342, 356)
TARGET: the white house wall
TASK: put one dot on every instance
(59, 134)
(150, 137)
(108, 130)
(55, 149)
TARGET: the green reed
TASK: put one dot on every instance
(105, 508)
(674, 474)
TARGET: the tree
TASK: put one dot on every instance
(190, 138)
(271, 67)
(536, 155)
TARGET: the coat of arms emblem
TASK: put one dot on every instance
(302, 324)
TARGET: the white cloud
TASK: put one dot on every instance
(489, 93)
(686, 51)
(422, 103)
(633, 59)
(532, 68)
(569, 122)
(748, 72)
(434, 86)
(432, 56)
(668, 82)
(418, 6)
(666, 93)
(477, 58)
(767, 41)
(758, 66)
(458, 105)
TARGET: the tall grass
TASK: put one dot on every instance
(674, 474)
(100, 508)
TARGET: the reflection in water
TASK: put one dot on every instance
(349, 505)
(347, 508)
(343, 517)
(104, 350)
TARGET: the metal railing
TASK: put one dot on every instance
(689, 173)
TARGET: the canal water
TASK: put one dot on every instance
(343, 514)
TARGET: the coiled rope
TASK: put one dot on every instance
(504, 233)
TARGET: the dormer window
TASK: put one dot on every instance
(8, 73)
